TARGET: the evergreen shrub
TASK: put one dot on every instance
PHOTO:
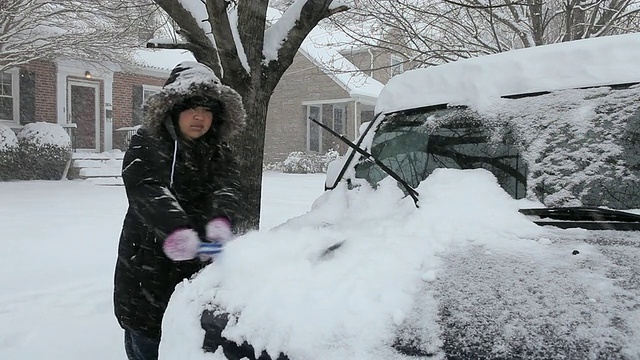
(299, 162)
(8, 154)
(44, 149)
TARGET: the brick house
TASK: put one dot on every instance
(104, 100)
(92, 100)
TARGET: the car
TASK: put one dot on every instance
(565, 132)
(491, 210)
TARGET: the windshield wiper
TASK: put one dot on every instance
(586, 217)
(411, 191)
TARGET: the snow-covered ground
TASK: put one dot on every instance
(466, 246)
(58, 249)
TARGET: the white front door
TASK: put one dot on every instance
(83, 103)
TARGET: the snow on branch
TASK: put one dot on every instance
(485, 6)
(285, 36)
(167, 44)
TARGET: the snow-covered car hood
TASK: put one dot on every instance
(463, 274)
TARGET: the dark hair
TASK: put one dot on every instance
(213, 105)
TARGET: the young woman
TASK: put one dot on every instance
(181, 181)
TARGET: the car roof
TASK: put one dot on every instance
(609, 60)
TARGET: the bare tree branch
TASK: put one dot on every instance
(98, 30)
(191, 30)
(224, 40)
(437, 31)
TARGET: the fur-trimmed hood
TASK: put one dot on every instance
(190, 80)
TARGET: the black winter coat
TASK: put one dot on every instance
(172, 183)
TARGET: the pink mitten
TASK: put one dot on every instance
(219, 230)
(181, 245)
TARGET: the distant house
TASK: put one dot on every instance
(101, 102)
(322, 83)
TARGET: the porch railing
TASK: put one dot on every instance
(124, 134)
(71, 131)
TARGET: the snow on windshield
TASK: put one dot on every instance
(473, 82)
(390, 273)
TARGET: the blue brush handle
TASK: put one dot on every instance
(207, 248)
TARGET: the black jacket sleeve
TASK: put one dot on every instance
(226, 195)
(146, 175)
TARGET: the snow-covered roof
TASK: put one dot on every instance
(317, 48)
(162, 59)
(474, 82)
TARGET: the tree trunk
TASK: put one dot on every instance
(255, 82)
(249, 147)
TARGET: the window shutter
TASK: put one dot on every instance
(136, 112)
(27, 96)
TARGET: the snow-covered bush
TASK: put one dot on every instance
(8, 153)
(44, 149)
(299, 162)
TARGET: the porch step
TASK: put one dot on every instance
(110, 164)
(113, 154)
(100, 168)
(96, 172)
(106, 181)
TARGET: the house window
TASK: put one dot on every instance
(314, 132)
(338, 118)
(9, 96)
(148, 90)
(397, 65)
(334, 115)
(366, 113)
(366, 116)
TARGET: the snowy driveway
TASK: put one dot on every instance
(58, 249)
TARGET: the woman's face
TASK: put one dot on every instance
(195, 122)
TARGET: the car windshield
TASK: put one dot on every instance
(415, 143)
(574, 147)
